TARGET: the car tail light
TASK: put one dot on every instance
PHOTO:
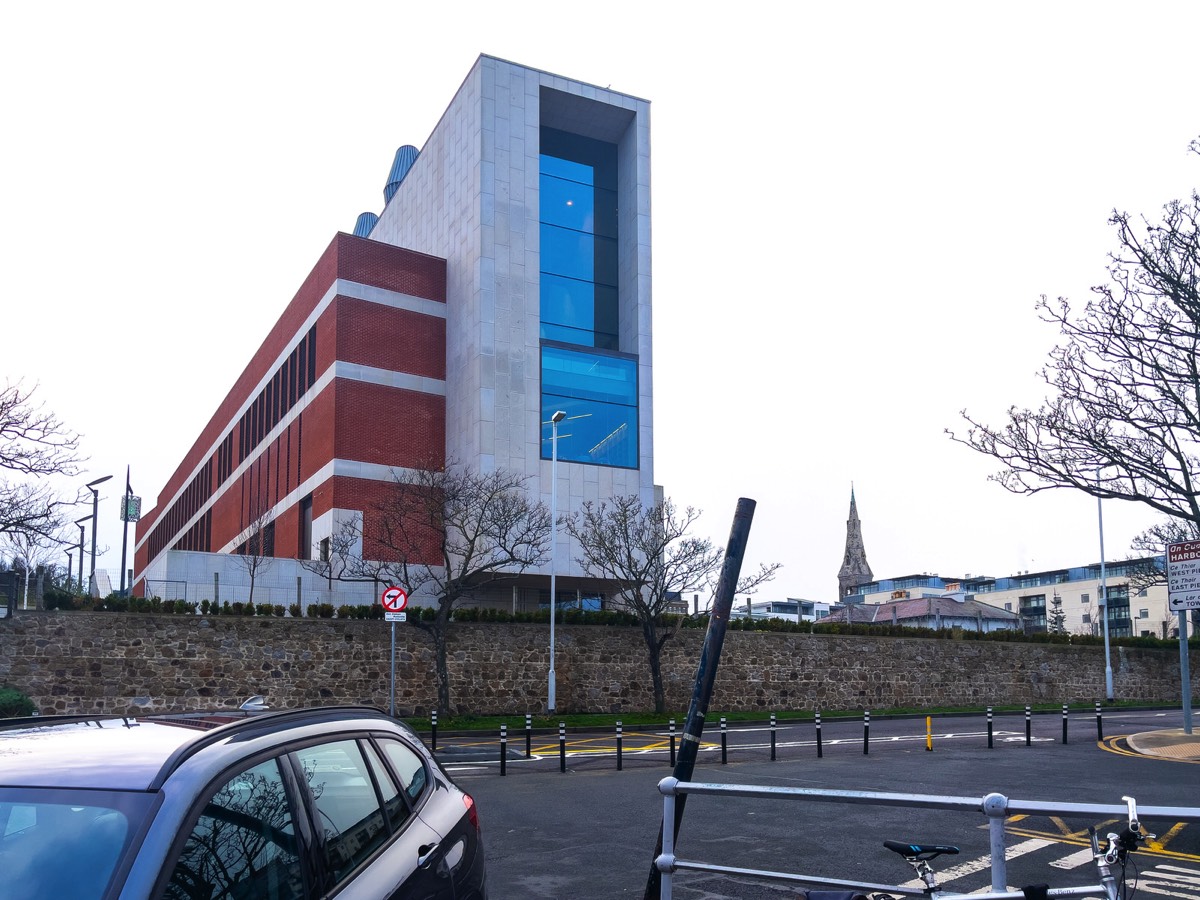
(472, 812)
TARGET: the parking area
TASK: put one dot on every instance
(589, 832)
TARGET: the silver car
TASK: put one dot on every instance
(272, 806)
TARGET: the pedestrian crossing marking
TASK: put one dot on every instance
(979, 864)
(1073, 860)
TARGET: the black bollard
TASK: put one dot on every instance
(772, 737)
(1099, 723)
(1028, 728)
(820, 752)
(503, 749)
(724, 745)
(528, 735)
(866, 732)
(562, 746)
(672, 743)
(991, 746)
(1064, 723)
(618, 746)
(433, 726)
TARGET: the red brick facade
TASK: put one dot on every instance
(278, 436)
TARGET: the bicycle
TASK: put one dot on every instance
(1115, 853)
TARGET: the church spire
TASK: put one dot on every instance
(854, 570)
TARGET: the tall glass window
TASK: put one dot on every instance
(578, 188)
(598, 392)
(596, 387)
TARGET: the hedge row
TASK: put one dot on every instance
(113, 603)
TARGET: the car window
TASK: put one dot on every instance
(346, 802)
(58, 847)
(394, 805)
(409, 768)
(243, 845)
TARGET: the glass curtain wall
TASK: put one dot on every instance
(583, 373)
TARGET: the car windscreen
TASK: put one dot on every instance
(58, 843)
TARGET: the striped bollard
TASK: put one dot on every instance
(1064, 723)
(820, 752)
(991, 746)
(724, 745)
(1028, 727)
(866, 731)
(619, 763)
(672, 726)
(772, 737)
(528, 735)
(433, 726)
(1099, 723)
(562, 746)
(503, 748)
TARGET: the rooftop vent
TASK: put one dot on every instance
(366, 221)
(405, 157)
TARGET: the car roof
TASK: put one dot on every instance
(137, 753)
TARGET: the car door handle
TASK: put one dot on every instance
(425, 855)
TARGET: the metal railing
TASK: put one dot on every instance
(996, 807)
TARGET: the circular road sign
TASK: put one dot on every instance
(394, 599)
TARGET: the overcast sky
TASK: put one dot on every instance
(855, 208)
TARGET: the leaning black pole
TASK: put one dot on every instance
(706, 672)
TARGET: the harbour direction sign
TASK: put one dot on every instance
(1183, 575)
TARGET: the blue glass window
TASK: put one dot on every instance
(579, 312)
(598, 392)
(578, 234)
(567, 203)
(569, 169)
(567, 252)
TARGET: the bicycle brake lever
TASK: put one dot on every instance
(1112, 848)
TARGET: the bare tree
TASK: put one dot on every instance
(29, 551)
(450, 534)
(256, 551)
(1122, 419)
(650, 558)
(34, 444)
(340, 558)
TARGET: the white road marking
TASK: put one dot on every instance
(1074, 860)
(981, 863)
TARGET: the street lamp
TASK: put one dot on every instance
(80, 522)
(91, 486)
(1108, 676)
(554, 420)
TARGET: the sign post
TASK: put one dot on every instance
(1183, 593)
(394, 600)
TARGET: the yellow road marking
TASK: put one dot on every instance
(1164, 839)
(1113, 745)
(1149, 851)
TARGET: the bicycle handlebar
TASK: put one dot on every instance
(1134, 825)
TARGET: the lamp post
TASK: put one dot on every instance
(1108, 676)
(80, 522)
(91, 486)
(131, 511)
(70, 568)
(554, 420)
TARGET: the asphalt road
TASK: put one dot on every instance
(590, 832)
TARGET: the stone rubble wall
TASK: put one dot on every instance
(128, 663)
